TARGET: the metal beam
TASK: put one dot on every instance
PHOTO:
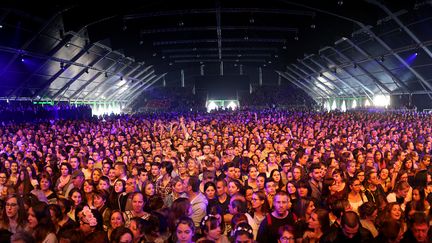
(213, 28)
(375, 80)
(300, 85)
(229, 40)
(76, 93)
(79, 74)
(216, 55)
(137, 88)
(132, 81)
(189, 50)
(45, 87)
(329, 71)
(321, 93)
(420, 78)
(132, 98)
(329, 94)
(325, 78)
(144, 79)
(383, 67)
(103, 82)
(28, 43)
(223, 10)
(217, 60)
(122, 78)
(359, 82)
(218, 28)
(41, 67)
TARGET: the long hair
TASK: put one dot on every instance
(179, 208)
(22, 215)
(45, 224)
(25, 183)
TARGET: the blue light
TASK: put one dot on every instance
(22, 59)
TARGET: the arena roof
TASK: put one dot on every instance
(112, 51)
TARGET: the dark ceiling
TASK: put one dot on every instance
(185, 32)
(83, 49)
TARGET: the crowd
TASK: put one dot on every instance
(245, 176)
(26, 111)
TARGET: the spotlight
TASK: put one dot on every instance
(141, 42)
(1, 26)
(415, 54)
(313, 26)
(284, 47)
(340, 3)
(251, 20)
(296, 38)
(67, 44)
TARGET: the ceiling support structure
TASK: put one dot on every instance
(319, 92)
(235, 49)
(138, 87)
(420, 78)
(306, 89)
(213, 28)
(378, 83)
(111, 96)
(51, 53)
(223, 10)
(79, 74)
(27, 43)
(122, 78)
(228, 40)
(325, 78)
(144, 79)
(133, 98)
(45, 87)
(328, 93)
(91, 80)
(359, 82)
(329, 71)
(107, 80)
(397, 81)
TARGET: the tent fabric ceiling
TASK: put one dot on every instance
(114, 51)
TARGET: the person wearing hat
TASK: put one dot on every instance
(77, 181)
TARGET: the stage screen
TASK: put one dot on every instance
(221, 87)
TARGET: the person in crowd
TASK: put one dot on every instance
(14, 216)
(122, 235)
(419, 229)
(350, 230)
(137, 209)
(116, 220)
(368, 212)
(319, 225)
(40, 224)
(184, 230)
(268, 229)
(243, 233)
(211, 230)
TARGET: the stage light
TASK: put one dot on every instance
(67, 44)
(381, 100)
(232, 105)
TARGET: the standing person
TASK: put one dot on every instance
(349, 231)
(14, 215)
(316, 183)
(268, 230)
(40, 224)
(419, 229)
(197, 200)
(184, 230)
